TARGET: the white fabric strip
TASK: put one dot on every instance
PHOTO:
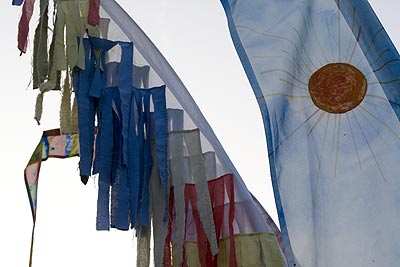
(160, 228)
(198, 172)
(175, 151)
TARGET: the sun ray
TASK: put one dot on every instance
(354, 140)
(306, 75)
(337, 144)
(376, 60)
(353, 23)
(285, 95)
(295, 112)
(294, 131)
(355, 44)
(304, 48)
(288, 73)
(315, 34)
(384, 82)
(316, 123)
(276, 37)
(377, 105)
(294, 85)
(372, 126)
(369, 146)
(330, 40)
(312, 28)
(320, 153)
(383, 66)
(334, 132)
(383, 99)
(370, 46)
(295, 64)
(382, 122)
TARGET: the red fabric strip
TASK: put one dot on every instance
(94, 12)
(217, 196)
(203, 244)
(231, 196)
(167, 246)
(217, 189)
(23, 26)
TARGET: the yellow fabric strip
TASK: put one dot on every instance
(252, 250)
(71, 26)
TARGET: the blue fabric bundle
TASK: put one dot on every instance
(123, 157)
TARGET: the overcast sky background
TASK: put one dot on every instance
(194, 38)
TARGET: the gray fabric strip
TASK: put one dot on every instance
(198, 172)
(160, 227)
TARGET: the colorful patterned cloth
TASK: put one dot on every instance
(51, 145)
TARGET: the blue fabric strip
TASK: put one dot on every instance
(86, 111)
(99, 80)
(87, 81)
(121, 214)
(117, 127)
(116, 157)
(125, 81)
(105, 164)
(125, 205)
(133, 155)
(161, 136)
(145, 158)
(125, 127)
(17, 2)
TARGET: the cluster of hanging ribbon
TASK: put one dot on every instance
(114, 122)
(153, 175)
(51, 63)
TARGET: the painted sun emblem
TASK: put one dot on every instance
(337, 87)
(318, 82)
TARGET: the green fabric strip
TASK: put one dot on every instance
(65, 109)
(40, 57)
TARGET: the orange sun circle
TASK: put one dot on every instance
(337, 87)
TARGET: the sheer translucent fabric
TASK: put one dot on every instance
(184, 115)
(161, 168)
(325, 75)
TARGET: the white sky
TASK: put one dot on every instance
(194, 38)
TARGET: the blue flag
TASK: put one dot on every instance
(327, 79)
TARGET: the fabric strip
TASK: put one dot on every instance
(94, 12)
(197, 171)
(23, 26)
(17, 2)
